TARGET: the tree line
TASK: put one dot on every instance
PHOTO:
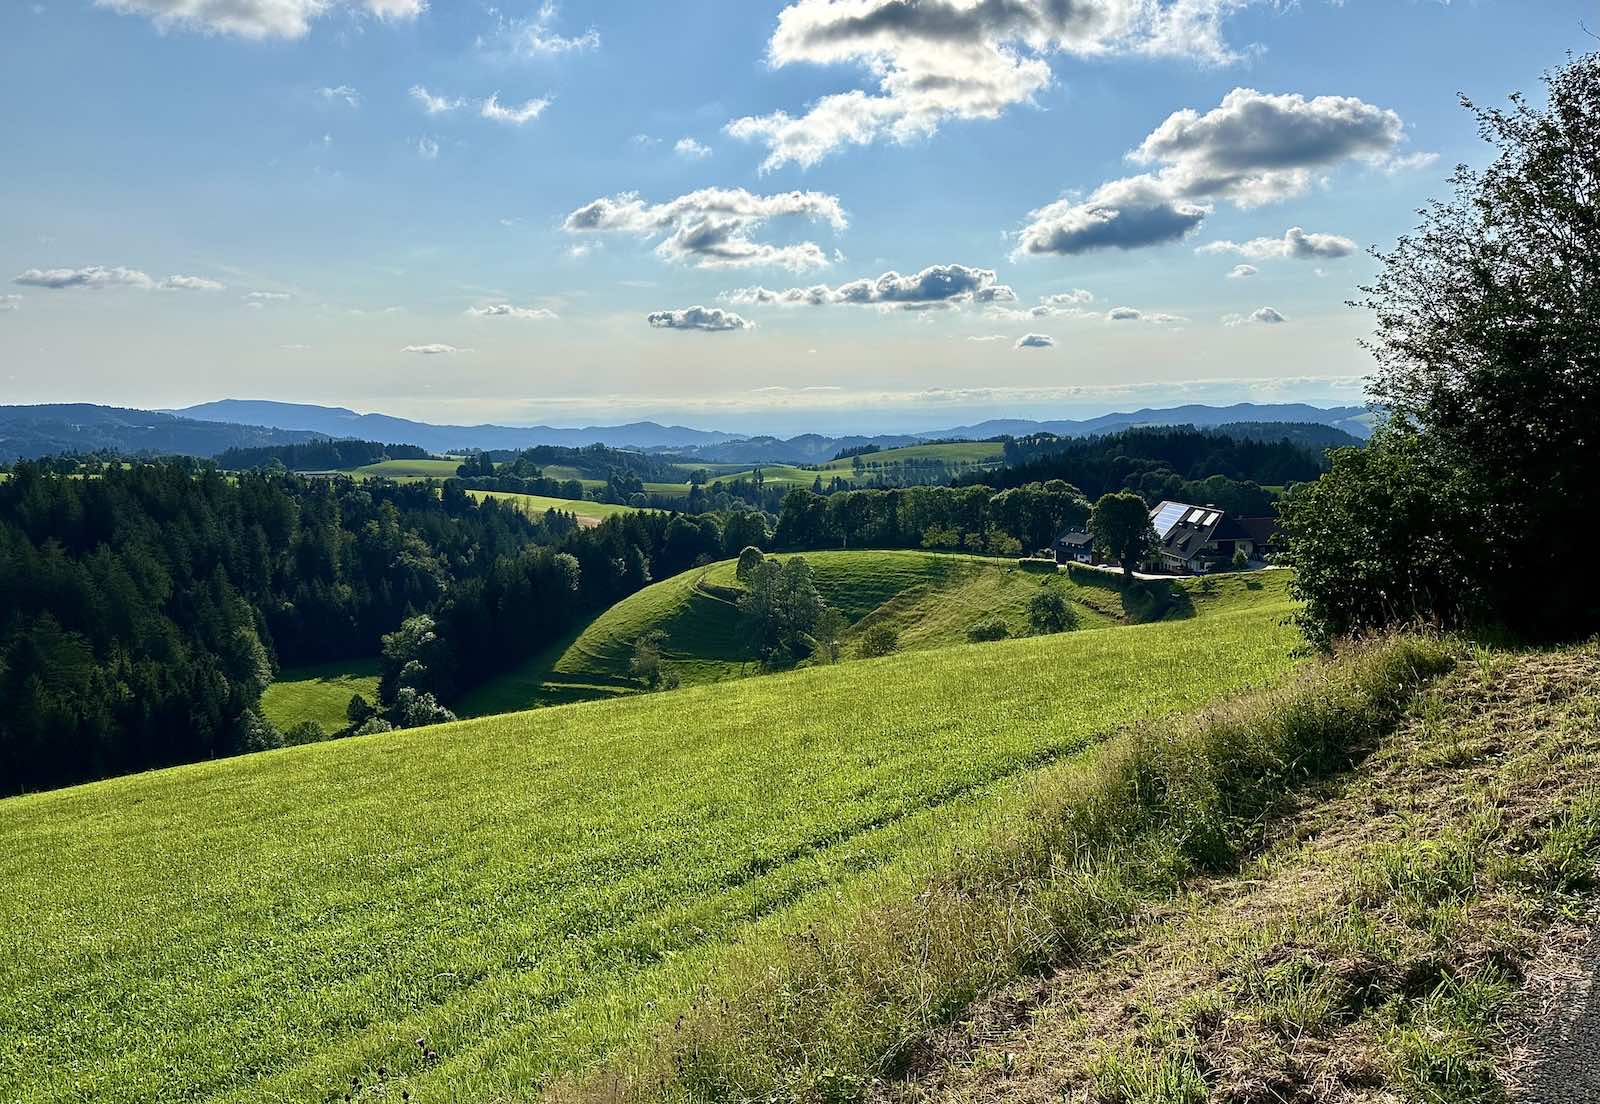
(143, 611)
(327, 455)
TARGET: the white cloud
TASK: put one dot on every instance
(1253, 149)
(712, 227)
(1265, 316)
(434, 350)
(516, 116)
(1409, 162)
(535, 36)
(506, 310)
(942, 59)
(688, 147)
(342, 92)
(988, 337)
(10, 302)
(709, 319)
(258, 299)
(1243, 272)
(256, 19)
(191, 283)
(427, 148)
(435, 105)
(935, 287)
(1035, 341)
(1295, 244)
(1123, 214)
(1123, 314)
(91, 276)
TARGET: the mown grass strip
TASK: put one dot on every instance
(820, 1013)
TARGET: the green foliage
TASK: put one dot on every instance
(991, 628)
(1120, 525)
(749, 560)
(305, 732)
(646, 662)
(1049, 612)
(1488, 351)
(878, 640)
(320, 694)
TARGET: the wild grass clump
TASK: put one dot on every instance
(817, 1015)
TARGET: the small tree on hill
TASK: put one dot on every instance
(1049, 612)
(645, 665)
(748, 559)
(1120, 525)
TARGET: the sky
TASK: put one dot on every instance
(822, 215)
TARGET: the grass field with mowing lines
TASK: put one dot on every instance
(520, 891)
(319, 693)
(956, 452)
(930, 598)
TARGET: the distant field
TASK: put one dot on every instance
(958, 452)
(587, 512)
(521, 892)
(409, 470)
(319, 693)
(931, 599)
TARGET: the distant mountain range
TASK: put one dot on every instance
(211, 428)
(336, 421)
(1354, 420)
(52, 429)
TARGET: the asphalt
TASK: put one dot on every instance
(1562, 1064)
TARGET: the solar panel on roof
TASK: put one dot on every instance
(1167, 517)
(1212, 518)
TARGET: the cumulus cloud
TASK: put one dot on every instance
(1123, 214)
(1265, 316)
(1123, 314)
(526, 112)
(535, 36)
(435, 105)
(1295, 244)
(712, 228)
(427, 148)
(342, 92)
(1253, 149)
(191, 283)
(709, 319)
(10, 302)
(1243, 272)
(942, 59)
(506, 310)
(91, 276)
(1035, 341)
(688, 147)
(257, 19)
(1133, 314)
(435, 349)
(258, 299)
(935, 287)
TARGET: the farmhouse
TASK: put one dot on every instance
(1197, 539)
(1075, 546)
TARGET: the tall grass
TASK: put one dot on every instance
(816, 1015)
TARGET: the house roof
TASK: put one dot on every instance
(1075, 538)
(1183, 529)
(1262, 530)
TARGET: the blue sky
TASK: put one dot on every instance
(468, 213)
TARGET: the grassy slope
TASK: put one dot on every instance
(1380, 942)
(405, 471)
(515, 889)
(955, 452)
(930, 598)
(319, 693)
(538, 504)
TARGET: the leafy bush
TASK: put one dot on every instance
(992, 628)
(306, 732)
(1050, 612)
(879, 640)
(748, 559)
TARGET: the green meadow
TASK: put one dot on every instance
(320, 693)
(930, 599)
(409, 471)
(521, 892)
(537, 505)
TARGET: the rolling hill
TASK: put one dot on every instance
(520, 893)
(51, 429)
(930, 599)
